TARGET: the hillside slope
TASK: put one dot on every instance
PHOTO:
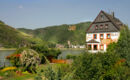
(60, 34)
(10, 37)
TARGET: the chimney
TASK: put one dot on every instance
(113, 15)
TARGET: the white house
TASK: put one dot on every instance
(104, 30)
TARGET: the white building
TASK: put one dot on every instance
(104, 30)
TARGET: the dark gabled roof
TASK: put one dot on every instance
(114, 20)
(92, 41)
(115, 24)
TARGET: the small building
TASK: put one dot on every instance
(104, 30)
(60, 46)
(77, 46)
(82, 46)
(72, 28)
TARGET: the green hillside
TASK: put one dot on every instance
(10, 37)
(60, 34)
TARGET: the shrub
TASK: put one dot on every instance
(29, 60)
(122, 47)
(45, 51)
(14, 58)
(57, 72)
(98, 67)
(71, 56)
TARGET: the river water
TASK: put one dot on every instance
(4, 53)
(68, 52)
(3, 60)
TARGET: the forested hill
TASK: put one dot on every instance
(61, 34)
(10, 37)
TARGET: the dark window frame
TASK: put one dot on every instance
(101, 26)
(103, 47)
(106, 26)
(94, 36)
(96, 27)
(89, 48)
(101, 37)
(108, 37)
(94, 47)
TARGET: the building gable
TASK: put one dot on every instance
(101, 18)
(104, 23)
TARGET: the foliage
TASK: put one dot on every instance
(50, 74)
(20, 50)
(57, 72)
(122, 47)
(12, 75)
(60, 34)
(29, 60)
(13, 38)
(14, 59)
(98, 67)
(45, 51)
(111, 48)
(71, 56)
(10, 37)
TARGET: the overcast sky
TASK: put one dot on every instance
(41, 13)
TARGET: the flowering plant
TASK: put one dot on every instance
(8, 68)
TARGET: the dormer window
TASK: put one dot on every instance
(96, 27)
(106, 26)
(101, 26)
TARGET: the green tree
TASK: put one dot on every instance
(45, 51)
(123, 44)
(98, 67)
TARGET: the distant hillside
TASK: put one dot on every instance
(74, 33)
(10, 37)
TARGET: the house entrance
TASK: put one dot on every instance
(95, 47)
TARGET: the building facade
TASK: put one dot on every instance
(104, 30)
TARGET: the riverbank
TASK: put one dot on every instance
(71, 48)
(7, 48)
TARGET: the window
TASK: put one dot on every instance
(94, 36)
(106, 26)
(96, 27)
(101, 26)
(95, 47)
(101, 36)
(89, 47)
(108, 36)
(101, 47)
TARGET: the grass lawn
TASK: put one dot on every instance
(11, 75)
(2, 48)
(24, 77)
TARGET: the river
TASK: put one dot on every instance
(4, 53)
(64, 53)
(3, 60)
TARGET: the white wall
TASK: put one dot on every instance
(114, 37)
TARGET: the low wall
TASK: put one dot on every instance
(61, 61)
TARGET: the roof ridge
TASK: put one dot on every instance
(111, 19)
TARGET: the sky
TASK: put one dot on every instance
(34, 14)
